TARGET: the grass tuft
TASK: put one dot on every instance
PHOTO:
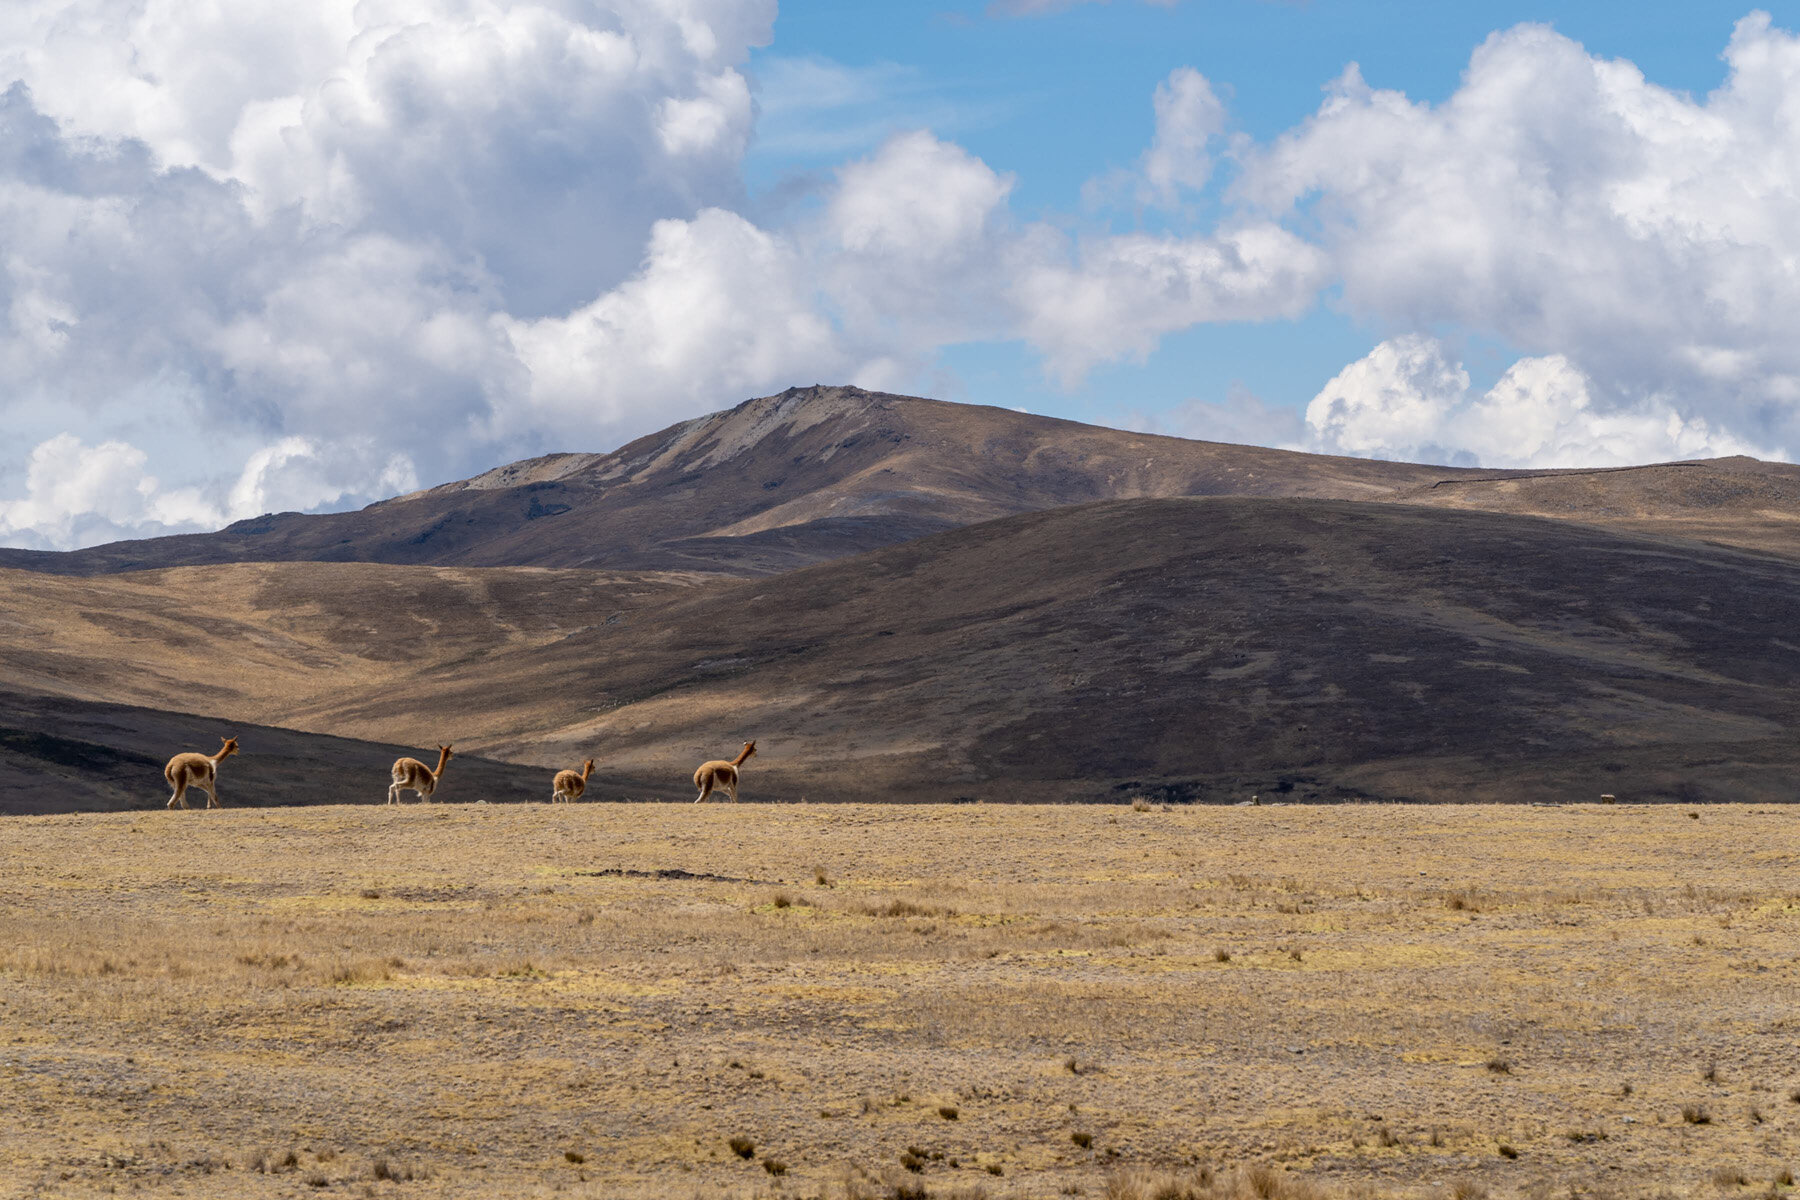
(906, 908)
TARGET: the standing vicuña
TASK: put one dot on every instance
(197, 770)
(412, 775)
(568, 785)
(721, 774)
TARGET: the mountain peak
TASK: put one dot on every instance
(719, 437)
(816, 473)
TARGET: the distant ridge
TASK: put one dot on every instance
(817, 473)
(805, 476)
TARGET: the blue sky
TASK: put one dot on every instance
(266, 256)
(1062, 97)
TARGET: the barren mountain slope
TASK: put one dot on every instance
(267, 641)
(782, 481)
(819, 473)
(1733, 501)
(1191, 649)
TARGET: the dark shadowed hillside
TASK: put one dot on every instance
(59, 755)
(1208, 649)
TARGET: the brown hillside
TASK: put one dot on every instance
(267, 641)
(1192, 649)
(1732, 501)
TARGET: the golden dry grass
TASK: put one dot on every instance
(1278, 1002)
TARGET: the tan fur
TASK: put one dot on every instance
(568, 785)
(197, 770)
(412, 775)
(721, 774)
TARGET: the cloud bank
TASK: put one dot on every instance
(265, 256)
(1567, 206)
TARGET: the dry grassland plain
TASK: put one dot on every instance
(861, 1001)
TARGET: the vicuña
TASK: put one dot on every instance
(197, 770)
(568, 785)
(721, 774)
(412, 775)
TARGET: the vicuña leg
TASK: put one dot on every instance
(179, 799)
(212, 795)
(706, 787)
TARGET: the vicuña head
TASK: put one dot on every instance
(409, 774)
(721, 774)
(197, 770)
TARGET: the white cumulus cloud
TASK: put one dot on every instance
(1408, 400)
(1188, 117)
(271, 226)
(1117, 296)
(78, 494)
(719, 308)
(1566, 205)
